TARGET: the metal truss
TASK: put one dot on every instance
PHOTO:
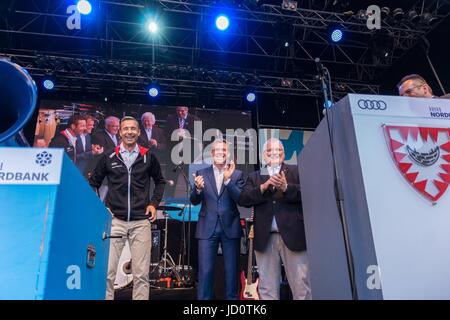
(99, 75)
(254, 45)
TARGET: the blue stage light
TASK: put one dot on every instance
(222, 22)
(336, 35)
(84, 7)
(48, 84)
(152, 27)
(328, 104)
(153, 92)
(251, 97)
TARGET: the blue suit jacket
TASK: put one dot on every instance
(215, 205)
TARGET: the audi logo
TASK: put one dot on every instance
(372, 105)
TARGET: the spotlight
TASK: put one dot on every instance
(286, 44)
(287, 83)
(336, 35)
(84, 7)
(251, 97)
(222, 22)
(385, 12)
(289, 5)
(413, 16)
(327, 104)
(362, 14)
(398, 14)
(153, 91)
(152, 26)
(48, 84)
(429, 19)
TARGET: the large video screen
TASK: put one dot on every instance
(181, 146)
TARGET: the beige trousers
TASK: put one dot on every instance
(139, 237)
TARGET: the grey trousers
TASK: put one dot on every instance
(269, 270)
(139, 237)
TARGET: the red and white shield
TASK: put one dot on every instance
(422, 154)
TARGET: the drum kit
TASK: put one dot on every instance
(164, 274)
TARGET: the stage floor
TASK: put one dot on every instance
(160, 294)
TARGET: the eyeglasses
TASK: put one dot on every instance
(411, 89)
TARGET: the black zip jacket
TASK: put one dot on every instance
(129, 190)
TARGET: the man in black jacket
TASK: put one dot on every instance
(129, 169)
(274, 192)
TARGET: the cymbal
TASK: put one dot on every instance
(169, 208)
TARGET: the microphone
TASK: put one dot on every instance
(319, 66)
(322, 76)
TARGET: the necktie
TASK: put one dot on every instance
(181, 122)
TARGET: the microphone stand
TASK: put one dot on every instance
(324, 75)
(188, 194)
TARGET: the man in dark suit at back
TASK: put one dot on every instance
(181, 120)
(152, 137)
(108, 138)
(414, 85)
(279, 235)
(84, 148)
(182, 145)
(217, 188)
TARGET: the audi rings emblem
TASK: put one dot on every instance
(372, 104)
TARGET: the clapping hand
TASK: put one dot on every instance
(199, 182)
(97, 149)
(229, 171)
(153, 142)
(279, 181)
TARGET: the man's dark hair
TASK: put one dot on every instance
(411, 77)
(75, 119)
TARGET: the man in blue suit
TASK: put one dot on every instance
(218, 188)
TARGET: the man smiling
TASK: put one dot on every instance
(129, 170)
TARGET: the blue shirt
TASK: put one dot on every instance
(129, 157)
